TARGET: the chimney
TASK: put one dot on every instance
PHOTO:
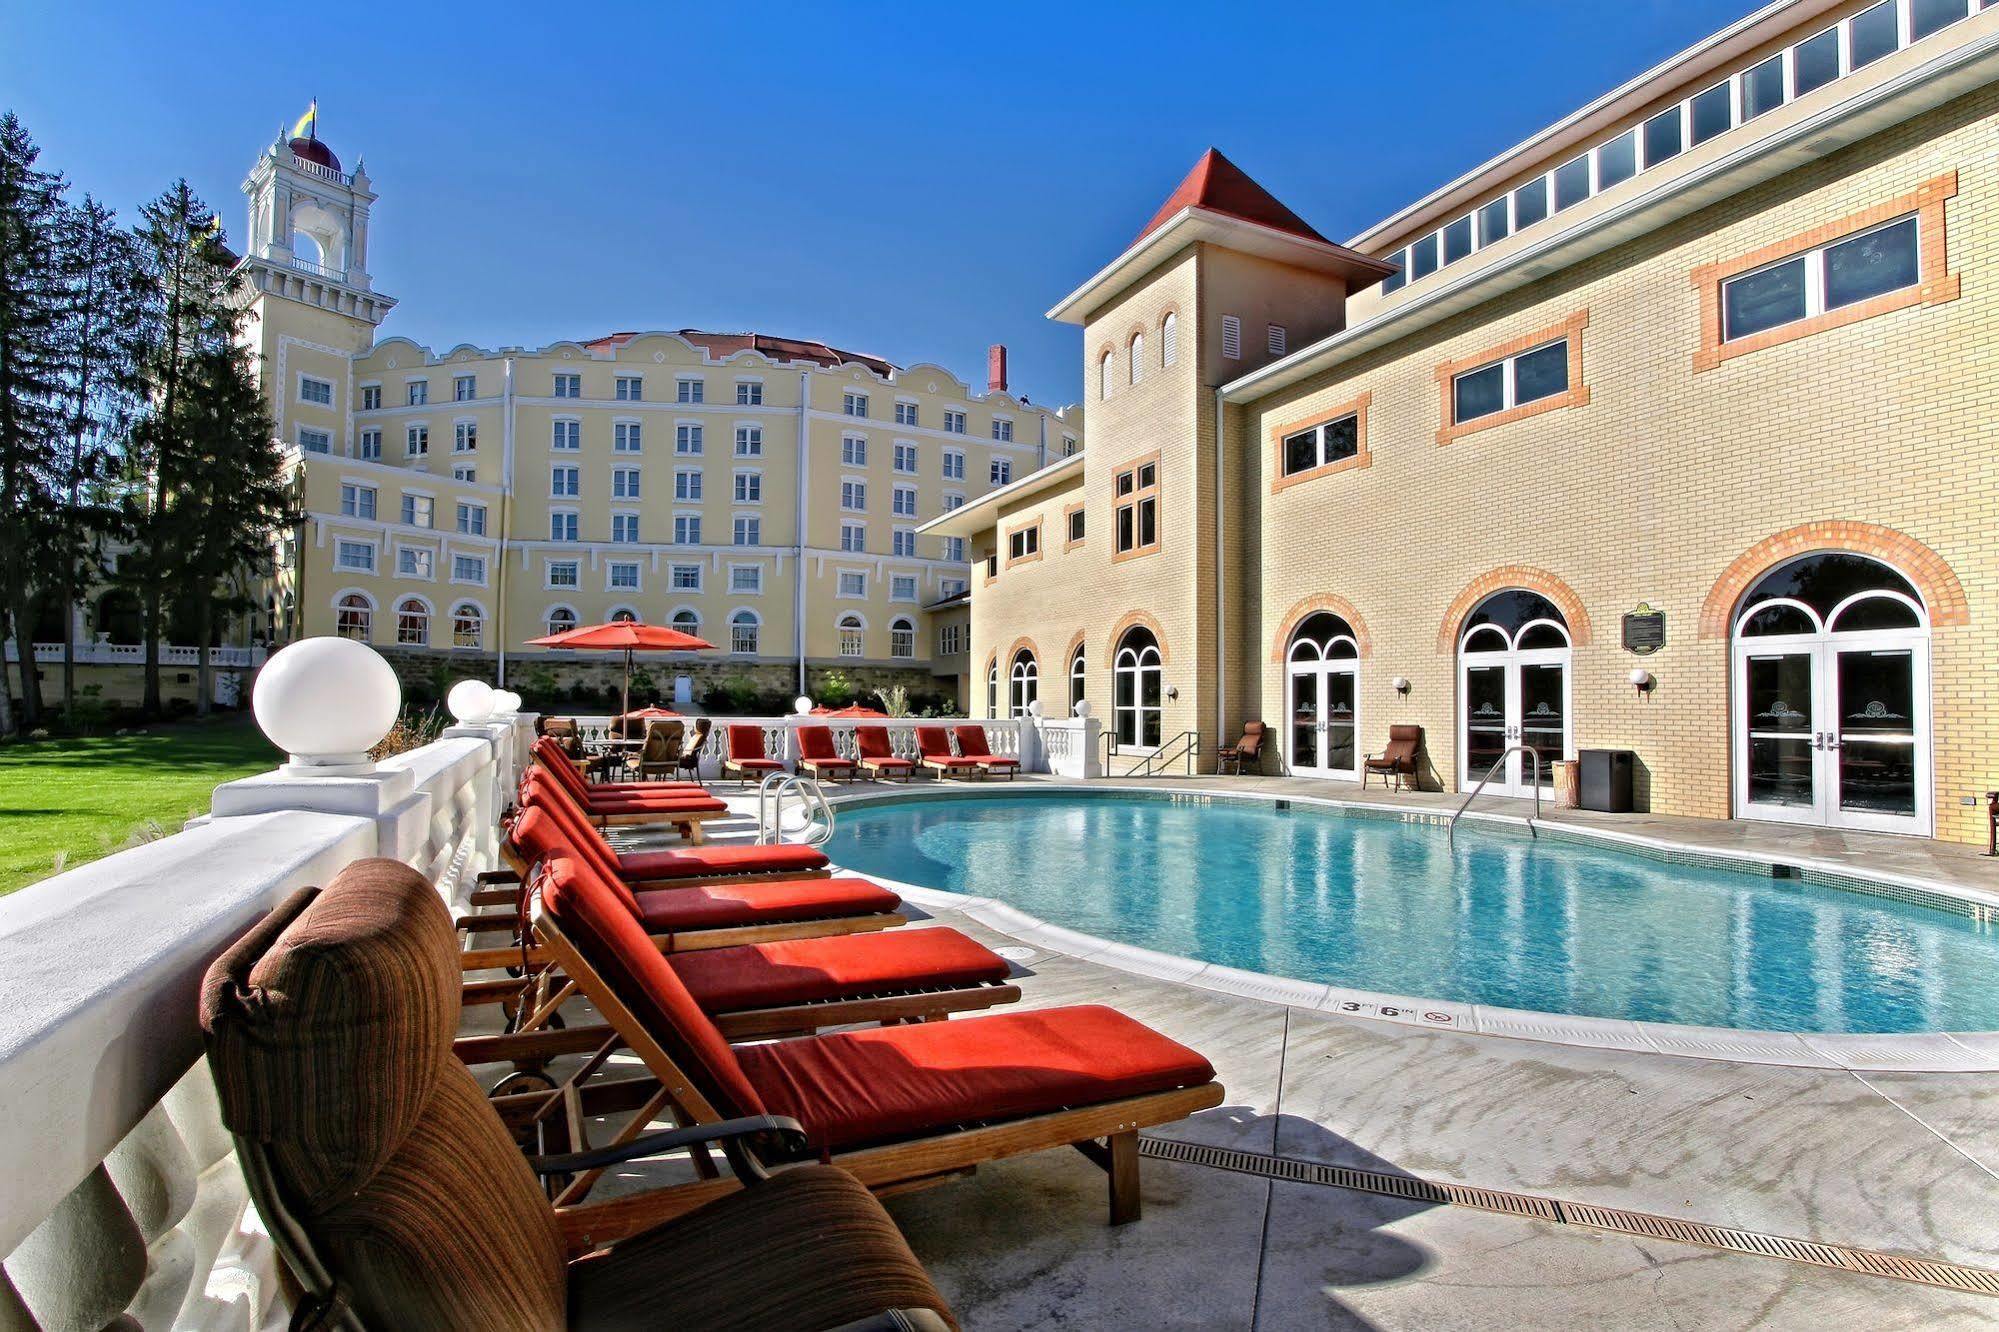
(996, 368)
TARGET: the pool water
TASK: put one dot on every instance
(1384, 905)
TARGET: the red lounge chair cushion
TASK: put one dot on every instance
(999, 761)
(722, 905)
(815, 743)
(830, 763)
(897, 1082)
(949, 761)
(642, 805)
(890, 763)
(801, 971)
(871, 742)
(695, 861)
(755, 764)
(746, 743)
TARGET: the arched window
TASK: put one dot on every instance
(1023, 683)
(1833, 592)
(412, 623)
(624, 615)
(1324, 637)
(1077, 673)
(992, 688)
(685, 621)
(559, 620)
(1137, 691)
(1137, 357)
(1104, 378)
(468, 625)
(1323, 697)
(853, 635)
(743, 629)
(1515, 620)
(1513, 692)
(1168, 331)
(901, 638)
(353, 617)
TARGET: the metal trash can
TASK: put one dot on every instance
(1606, 779)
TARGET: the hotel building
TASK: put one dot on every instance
(762, 492)
(1669, 431)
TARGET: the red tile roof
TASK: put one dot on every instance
(1220, 186)
(719, 345)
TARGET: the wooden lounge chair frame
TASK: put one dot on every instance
(879, 766)
(732, 764)
(822, 767)
(947, 763)
(989, 762)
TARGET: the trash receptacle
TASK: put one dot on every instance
(1567, 794)
(1606, 779)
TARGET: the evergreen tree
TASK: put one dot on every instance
(31, 300)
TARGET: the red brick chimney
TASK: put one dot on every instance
(996, 368)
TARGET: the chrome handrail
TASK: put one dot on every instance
(771, 792)
(1451, 832)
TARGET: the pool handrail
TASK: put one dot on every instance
(1451, 832)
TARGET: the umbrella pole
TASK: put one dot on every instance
(628, 683)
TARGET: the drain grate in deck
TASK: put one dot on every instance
(1840, 1257)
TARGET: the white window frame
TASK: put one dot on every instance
(749, 439)
(905, 450)
(480, 581)
(954, 464)
(341, 545)
(324, 437)
(548, 568)
(304, 379)
(423, 552)
(741, 618)
(853, 450)
(611, 583)
(625, 520)
(628, 388)
(1814, 261)
(566, 385)
(459, 382)
(902, 542)
(627, 436)
(690, 389)
(565, 481)
(853, 538)
(749, 393)
(416, 439)
(903, 501)
(626, 483)
(684, 525)
(755, 584)
(574, 524)
(674, 570)
(756, 523)
(1509, 396)
(853, 494)
(915, 588)
(689, 432)
(355, 490)
(565, 434)
(688, 487)
(840, 593)
(747, 485)
(460, 510)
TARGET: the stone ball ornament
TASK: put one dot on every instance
(1082, 708)
(802, 706)
(326, 702)
(1034, 709)
(470, 701)
(505, 703)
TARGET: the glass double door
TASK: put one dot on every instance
(1323, 728)
(1510, 699)
(1834, 732)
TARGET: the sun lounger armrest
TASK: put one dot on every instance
(727, 1132)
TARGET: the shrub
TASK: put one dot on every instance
(836, 689)
(413, 730)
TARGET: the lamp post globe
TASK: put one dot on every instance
(470, 701)
(326, 702)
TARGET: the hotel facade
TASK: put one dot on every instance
(762, 492)
(1669, 431)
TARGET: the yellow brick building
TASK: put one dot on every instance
(1669, 431)
(762, 492)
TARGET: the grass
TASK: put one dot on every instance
(85, 798)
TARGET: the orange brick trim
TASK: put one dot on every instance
(1067, 511)
(1577, 396)
(1130, 620)
(1942, 594)
(1020, 645)
(1312, 605)
(1069, 653)
(1935, 285)
(1521, 576)
(1356, 408)
(1040, 543)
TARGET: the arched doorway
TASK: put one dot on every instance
(1137, 680)
(1322, 667)
(1513, 691)
(1830, 660)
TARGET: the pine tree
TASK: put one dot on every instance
(31, 214)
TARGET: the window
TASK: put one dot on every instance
(1530, 203)
(953, 500)
(853, 536)
(902, 543)
(464, 388)
(1320, 445)
(749, 393)
(629, 388)
(1713, 112)
(954, 549)
(954, 464)
(853, 451)
(1104, 377)
(565, 482)
(472, 519)
(1136, 490)
(357, 501)
(354, 617)
(951, 587)
(1832, 277)
(1928, 16)
(1023, 683)
(1068, 446)
(464, 436)
(1662, 136)
(564, 573)
(749, 530)
(1078, 673)
(992, 566)
(1763, 87)
(1871, 34)
(468, 569)
(415, 562)
(416, 441)
(950, 640)
(1002, 471)
(315, 390)
(743, 633)
(1135, 358)
(566, 437)
(560, 620)
(1074, 521)
(371, 394)
(853, 584)
(1815, 62)
(854, 496)
(621, 575)
(749, 441)
(687, 438)
(689, 390)
(563, 525)
(1423, 257)
(569, 386)
(687, 484)
(1232, 337)
(1023, 543)
(746, 578)
(464, 472)
(902, 587)
(1571, 183)
(905, 413)
(1169, 349)
(749, 487)
(851, 635)
(992, 687)
(1494, 221)
(1617, 161)
(625, 483)
(356, 555)
(902, 502)
(371, 446)
(901, 638)
(1137, 670)
(627, 437)
(685, 577)
(419, 392)
(468, 626)
(419, 511)
(905, 458)
(686, 529)
(1541, 374)
(854, 404)
(685, 620)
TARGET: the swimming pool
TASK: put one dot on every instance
(1386, 905)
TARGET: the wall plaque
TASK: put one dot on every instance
(1644, 630)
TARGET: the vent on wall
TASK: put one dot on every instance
(1232, 337)
(1277, 339)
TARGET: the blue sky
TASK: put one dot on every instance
(911, 184)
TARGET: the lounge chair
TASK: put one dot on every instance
(933, 749)
(697, 740)
(817, 756)
(1398, 761)
(548, 755)
(701, 861)
(972, 745)
(685, 808)
(395, 1194)
(747, 758)
(1249, 749)
(878, 757)
(659, 756)
(898, 1105)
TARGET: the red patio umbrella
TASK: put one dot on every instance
(855, 711)
(629, 635)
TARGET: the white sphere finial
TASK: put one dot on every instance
(1082, 708)
(802, 706)
(1034, 709)
(326, 702)
(505, 703)
(470, 701)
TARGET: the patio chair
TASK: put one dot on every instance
(659, 757)
(685, 808)
(933, 749)
(395, 1194)
(972, 745)
(1249, 749)
(817, 756)
(697, 740)
(747, 758)
(1398, 761)
(896, 1105)
(878, 757)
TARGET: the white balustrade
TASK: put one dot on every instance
(1009, 737)
(134, 654)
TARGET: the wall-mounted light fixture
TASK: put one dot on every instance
(1172, 691)
(1642, 680)
(1401, 683)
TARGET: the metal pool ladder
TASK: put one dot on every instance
(1451, 833)
(771, 792)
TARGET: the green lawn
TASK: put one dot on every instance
(86, 798)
